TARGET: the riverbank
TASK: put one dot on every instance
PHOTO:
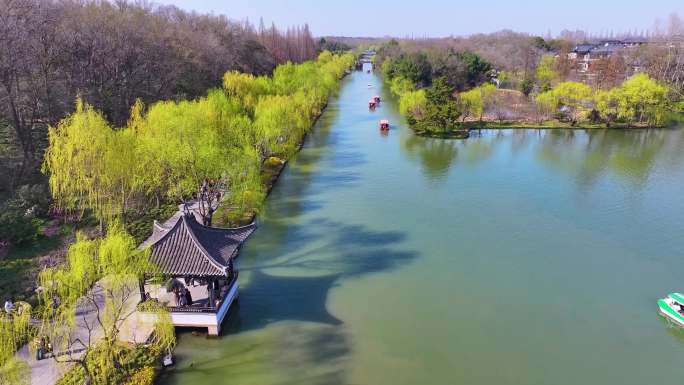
(465, 128)
(550, 124)
(463, 133)
(272, 168)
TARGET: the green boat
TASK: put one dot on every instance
(672, 308)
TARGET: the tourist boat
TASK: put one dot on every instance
(384, 124)
(372, 104)
(672, 308)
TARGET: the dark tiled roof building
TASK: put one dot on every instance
(583, 49)
(187, 248)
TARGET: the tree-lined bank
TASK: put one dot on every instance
(444, 92)
(177, 150)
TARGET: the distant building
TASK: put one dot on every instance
(585, 54)
(634, 41)
(582, 55)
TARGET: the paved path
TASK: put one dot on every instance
(134, 329)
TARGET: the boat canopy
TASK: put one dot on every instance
(677, 297)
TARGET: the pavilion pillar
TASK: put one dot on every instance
(141, 286)
(211, 287)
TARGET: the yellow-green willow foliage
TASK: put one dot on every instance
(247, 88)
(642, 99)
(170, 148)
(545, 73)
(282, 121)
(14, 332)
(474, 101)
(638, 99)
(546, 105)
(413, 104)
(400, 85)
(113, 259)
(606, 103)
(15, 372)
(181, 143)
(101, 275)
(90, 164)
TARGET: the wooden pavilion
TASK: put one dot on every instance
(199, 261)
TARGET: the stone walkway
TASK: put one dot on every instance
(135, 330)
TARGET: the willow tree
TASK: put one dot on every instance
(280, 123)
(575, 97)
(400, 85)
(474, 101)
(14, 332)
(412, 104)
(91, 299)
(177, 149)
(89, 164)
(247, 88)
(606, 103)
(546, 74)
(641, 98)
(546, 104)
(185, 144)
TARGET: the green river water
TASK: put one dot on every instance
(513, 257)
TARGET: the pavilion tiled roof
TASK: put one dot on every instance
(187, 248)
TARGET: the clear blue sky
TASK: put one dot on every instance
(442, 18)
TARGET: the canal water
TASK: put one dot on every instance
(513, 257)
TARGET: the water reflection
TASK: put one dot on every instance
(629, 155)
(435, 155)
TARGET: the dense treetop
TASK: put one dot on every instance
(170, 148)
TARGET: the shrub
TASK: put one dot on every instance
(35, 199)
(16, 227)
(144, 376)
(136, 366)
(526, 86)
